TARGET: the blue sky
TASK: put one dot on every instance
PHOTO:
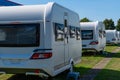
(92, 9)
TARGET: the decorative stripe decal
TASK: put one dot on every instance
(41, 50)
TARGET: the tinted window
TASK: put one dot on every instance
(19, 35)
(87, 34)
(65, 23)
(104, 34)
(100, 33)
(72, 32)
(59, 32)
(78, 33)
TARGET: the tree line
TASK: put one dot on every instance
(109, 23)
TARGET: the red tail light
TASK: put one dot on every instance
(41, 55)
(94, 43)
(113, 39)
(37, 71)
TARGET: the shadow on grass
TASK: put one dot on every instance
(107, 74)
(112, 55)
(106, 54)
(61, 76)
(112, 44)
(17, 77)
(93, 53)
(89, 53)
(104, 74)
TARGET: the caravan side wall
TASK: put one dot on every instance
(102, 36)
(66, 49)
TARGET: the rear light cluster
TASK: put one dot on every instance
(94, 43)
(37, 71)
(39, 55)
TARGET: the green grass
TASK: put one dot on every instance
(87, 63)
(110, 48)
(5, 77)
(112, 70)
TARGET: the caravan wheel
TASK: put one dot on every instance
(70, 69)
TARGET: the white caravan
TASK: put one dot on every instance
(118, 36)
(93, 36)
(39, 39)
(111, 36)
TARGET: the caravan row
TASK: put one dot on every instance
(95, 37)
(45, 39)
(112, 36)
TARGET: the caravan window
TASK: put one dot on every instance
(65, 23)
(104, 34)
(19, 35)
(59, 32)
(78, 33)
(72, 32)
(87, 34)
(100, 33)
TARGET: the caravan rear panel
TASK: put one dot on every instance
(93, 36)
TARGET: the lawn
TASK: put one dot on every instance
(111, 48)
(87, 63)
(5, 77)
(112, 70)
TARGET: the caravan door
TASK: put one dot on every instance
(66, 40)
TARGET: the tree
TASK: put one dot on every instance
(112, 25)
(118, 25)
(106, 23)
(109, 24)
(85, 20)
